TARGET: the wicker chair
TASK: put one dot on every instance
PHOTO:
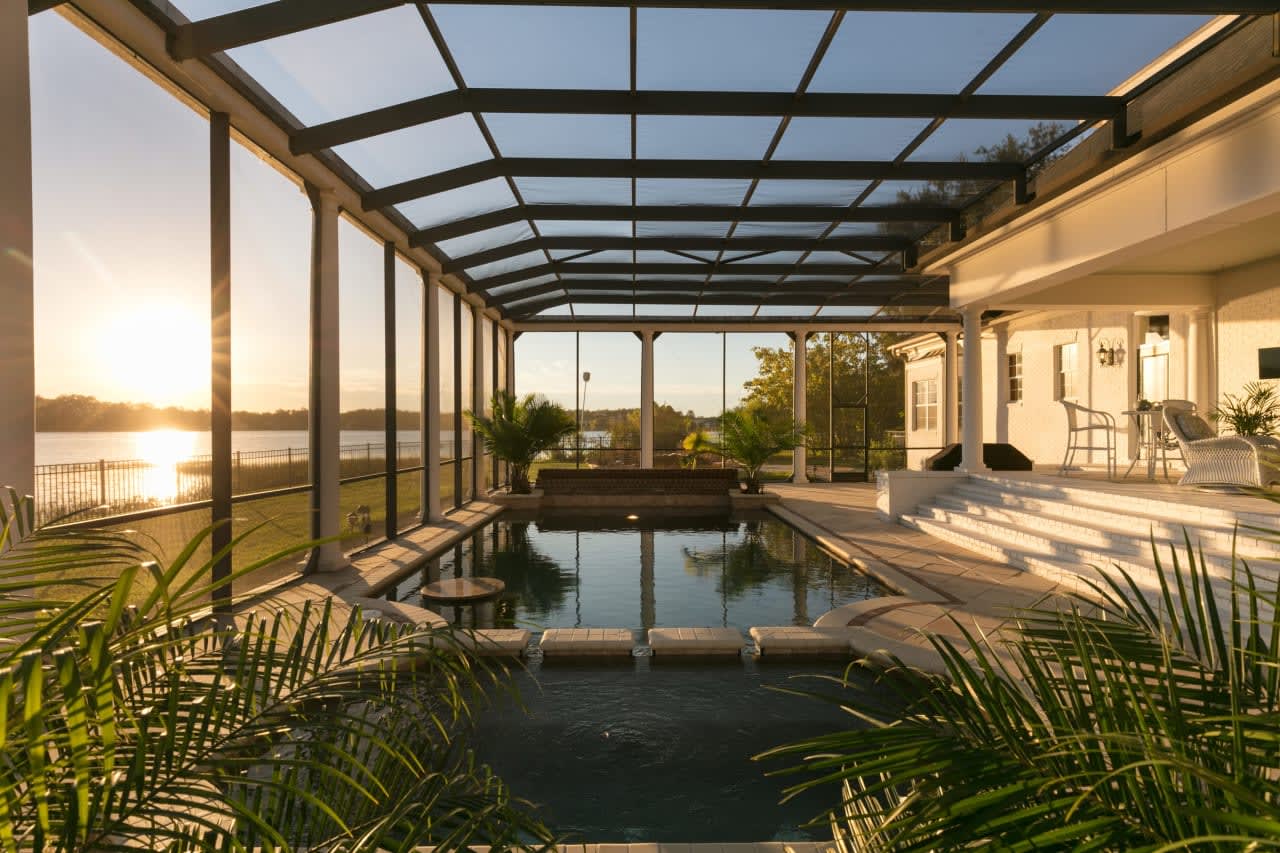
(1082, 425)
(1234, 460)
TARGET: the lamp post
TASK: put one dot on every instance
(586, 377)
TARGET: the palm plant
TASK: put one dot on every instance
(519, 430)
(750, 439)
(160, 726)
(1118, 723)
(1254, 412)
(695, 444)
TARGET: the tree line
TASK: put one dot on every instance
(84, 413)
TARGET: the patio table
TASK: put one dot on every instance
(1150, 424)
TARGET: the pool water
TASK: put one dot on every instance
(662, 751)
(611, 571)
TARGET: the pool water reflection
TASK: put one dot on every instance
(608, 571)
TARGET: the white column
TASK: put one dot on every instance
(430, 397)
(480, 467)
(1198, 359)
(951, 388)
(646, 399)
(971, 452)
(510, 356)
(17, 275)
(325, 388)
(1002, 383)
(800, 404)
(1179, 357)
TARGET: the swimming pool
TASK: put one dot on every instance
(621, 570)
(658, 750)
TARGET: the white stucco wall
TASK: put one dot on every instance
(1248, 318)
(923, 443)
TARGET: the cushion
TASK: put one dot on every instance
(1193, 427)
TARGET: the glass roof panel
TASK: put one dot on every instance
(601, 309)
(484, 197)
(847, 311)
(899, 192)
(725, 50)
(784, 310)
(775, 191)
(506, 265)
(350, 67)
(727, 310)
(650, 256)
(490, 238)
(867, 53)
(197, 10)
(829, 258)
(575, 190)
(690, 191)
(1089, 54)
(561, 254)
(525, 135)
(848, 138)
(583, 228)
(780, 229)
(539, 47)
(507, 289)
(704, 137)
(569, 275)
(556, 311)
(416, 151)
(961, 139)
(857, 229)
(690, 277)
(664, 310)
(682, 229)
(769, 258)
(614, 256)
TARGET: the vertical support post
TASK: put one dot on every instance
(389, 385)
(1002, 382)
(430, 397)
(971, 460)
(457, 401)
(800, 403)
(577, 399)
(511, 361)
(951, 388)
(324, 427)
(17, 273)
(496, 333)
(479, 468)
(1198, 359)
(220, 352)
(646, 399)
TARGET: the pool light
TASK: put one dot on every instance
(633, 518)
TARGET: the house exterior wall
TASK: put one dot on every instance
(1247, 319)
(923, 443)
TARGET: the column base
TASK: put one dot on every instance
(326, 558)
(972, 469)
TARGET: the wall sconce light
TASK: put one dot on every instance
(1110, 353)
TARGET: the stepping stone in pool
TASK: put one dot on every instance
(455, 590)
(588, 642)
(689, 642)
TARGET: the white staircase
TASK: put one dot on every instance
(1059, 530)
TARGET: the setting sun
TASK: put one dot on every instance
(157, 352)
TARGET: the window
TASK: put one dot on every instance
(924, 404)
(1065, 364)
(1015, 377)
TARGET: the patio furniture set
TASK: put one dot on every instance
(1174, 427)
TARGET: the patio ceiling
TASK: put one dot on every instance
(686, 159)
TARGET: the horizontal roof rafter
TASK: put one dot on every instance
(570, 167)
(283, 17)
(861, 243)
(588, 269)
(682, 103)
(686, 213)
(879, 289)
(533, 306)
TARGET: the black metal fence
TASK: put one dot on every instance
(110, 487)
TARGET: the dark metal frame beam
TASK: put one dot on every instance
(220, 479)
(580, 268)
(570, 167)
(283, 17)
(389, 432)
(828, 288)
(685, 213)
(689, 103)
(860, 243)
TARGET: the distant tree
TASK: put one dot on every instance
(880, 388)
(669, 428)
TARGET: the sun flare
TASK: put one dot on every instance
(159, 353)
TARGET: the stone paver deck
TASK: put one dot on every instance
(943, 590)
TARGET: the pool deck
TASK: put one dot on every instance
(669, 847)
(943, 589)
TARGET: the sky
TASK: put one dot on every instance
(121, 197)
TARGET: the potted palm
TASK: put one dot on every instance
(749, 438)
(1255, 412)
(520, 429)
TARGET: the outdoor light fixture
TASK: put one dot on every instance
(633, 518)
(1110, 353)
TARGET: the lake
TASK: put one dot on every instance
(54, 448)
